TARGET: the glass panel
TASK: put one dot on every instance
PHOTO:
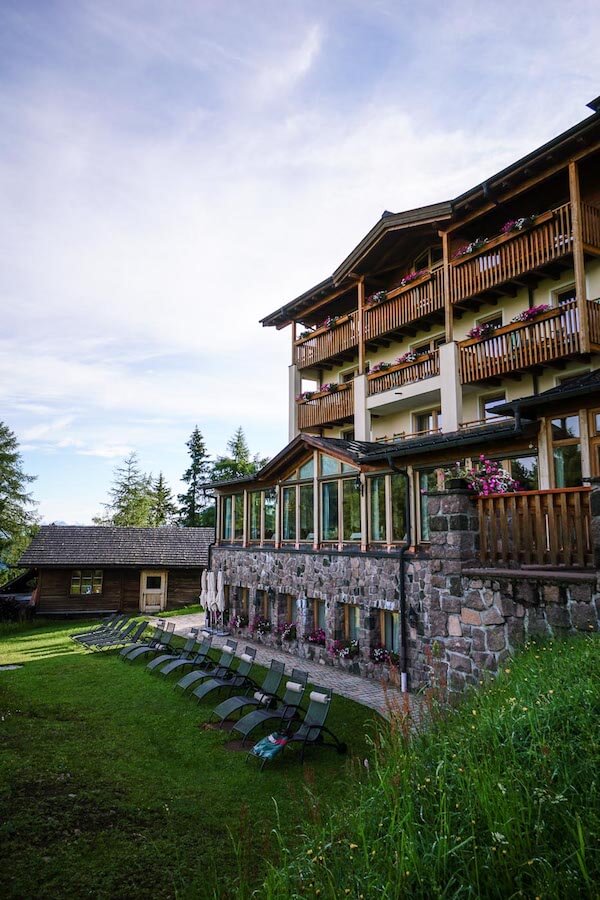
(488, 406)
(353, 622)
(398, 508)
(254, 516)
(597, 422)
(306, 512)
(97, 582)
(348, 468)
(424, 422)
(377, 508)
(270, 504)
(392, 631)
(329, 511)
(329, 466)
(86, 582)
(524, 469)
(76, 582)
(563, 429)
(351, 509)
(567, 465)
(307, 470)
(320, 614)
(427, 482)
(238, 513)
(153, 582)
(227, 507)
(288, 518)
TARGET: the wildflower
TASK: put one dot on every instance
(353, 846)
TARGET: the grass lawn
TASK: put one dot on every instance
(109, 785)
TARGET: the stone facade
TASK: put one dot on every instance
(463, 621)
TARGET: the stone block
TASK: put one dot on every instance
(474, 600)
(470, 616)
(438, 523)
(450, 604)
(516, 632)
(582, 593)
(454, 626)
(558, 616)
(459, 522)
(478, 639)
(438, 623)
(486, 661)
(459, 663)
(459, 645)
(492, 617)
(583, 617)
(495, 638)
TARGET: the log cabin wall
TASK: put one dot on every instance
(183, 587)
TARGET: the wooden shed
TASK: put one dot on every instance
(100, 569)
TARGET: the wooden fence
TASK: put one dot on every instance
(536, 528)
(405, 304)
(327, 408)
(426, 366)
(325, 343)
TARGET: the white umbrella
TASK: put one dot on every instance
(220, 592)
(211, 594)
(204, 591)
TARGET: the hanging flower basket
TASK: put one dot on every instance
(329, 388)
(412, 276)
(518, 224)
(528, 314)
(377, 297)
(380, 367)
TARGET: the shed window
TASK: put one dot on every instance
(86, 581)
(153, 582)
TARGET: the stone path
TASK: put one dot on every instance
(361, 690)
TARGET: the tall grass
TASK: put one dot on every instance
(498, 798)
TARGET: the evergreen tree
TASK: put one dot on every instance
(238, 462)
(130, 496)
(17, 521)
(162, 505)
(193, 501)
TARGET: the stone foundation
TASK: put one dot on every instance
(464, 622)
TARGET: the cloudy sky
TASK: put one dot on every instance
(172, 172)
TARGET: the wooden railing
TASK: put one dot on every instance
(327, 407)
(425, 366)
(593, 308)
(509, 255)
(543, 528)
(323, 343)
(552, 335)
(405, 304)
(590, 225)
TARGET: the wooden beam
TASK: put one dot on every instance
(448, 311)
(361, 326)
(578, 259)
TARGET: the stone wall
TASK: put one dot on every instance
(464, 621)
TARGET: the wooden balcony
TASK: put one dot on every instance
(507, 257)
(515, 348)
(327, 408)
(536, 528)
(419, 300)
(426, 366)
(328, 343)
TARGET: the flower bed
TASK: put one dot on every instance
(317, 636)
(527, 315)
(487, 477)
(260, 625)
(344, 649)
(383, 656)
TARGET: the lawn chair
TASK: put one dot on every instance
(265, 696)
(117, 627)
(223, 666)
(198, 661)
(111, 643)
(285, 713)
(185, 653)
(239, 679)
(155, 645)
(119, 636)
(312, 729)
(106, 625)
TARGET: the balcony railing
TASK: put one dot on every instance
(426, 366)
(509, 255)
(326, 408)
(325, 343)
(405, 304)
(513, 348)
(543, 528)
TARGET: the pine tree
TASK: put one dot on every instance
(162, 505)
(193, 501)
(17, 520)
(130, 496)
(239, 462)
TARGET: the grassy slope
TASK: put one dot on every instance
(108, 787)
(499, 799)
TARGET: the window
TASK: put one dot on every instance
(244, 601)
(270, 514)
(427, 422)
(390, 631)
(429, 345)
(398, 492)
(262, 604)
(524, 469)
(566, 450)
(288, 523)
(488, 404)
(347, 376)
(153, 582)
(377, 508)
(351, 622)
(347, 435)
(307, 470)
(318, 613)
(329, 510)
(329, 466)
(565, 295)
(226, 521)
(429, 259)
(86, 581)
(429, 480)
(351, 509)
(595, 441)
(254, 504)
(306, 524)
(238, 517)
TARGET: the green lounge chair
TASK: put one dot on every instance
(265, 696)
(112, 643)
(199, 660)
(113, 630)
(231, 682)
(153, 646)
(285, 713)
(185, 653)
(312, 729)
(223, 666)
(119, 636)
(106, 625)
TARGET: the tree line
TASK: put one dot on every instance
(138, 499)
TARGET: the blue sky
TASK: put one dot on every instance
(172, 172)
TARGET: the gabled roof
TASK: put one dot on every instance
(56, 545)
(581, 386)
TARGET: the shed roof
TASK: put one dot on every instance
(56, 545)
(586, 385)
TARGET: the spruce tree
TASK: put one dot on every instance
(239, 462)
(162, 505)
(130, 496)
(193, 501)
(17, 520)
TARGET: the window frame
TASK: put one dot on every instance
(94, 574)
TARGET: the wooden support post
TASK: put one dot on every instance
(361, 326)
(294, 324)
(448, 311)
(245, 523)
(578, 258)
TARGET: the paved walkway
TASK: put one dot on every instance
(362, 690)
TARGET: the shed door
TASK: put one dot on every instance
(153, 591)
